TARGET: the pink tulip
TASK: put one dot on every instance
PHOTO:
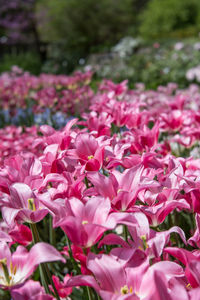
(60, 286)
(89, 153)
(4, 237)
(21, 234)
(21, 168)
(113, 280)
(97, 125)
(85, 224)
(195, 239)
(151, 242)
(194, 293)
(191, 262)
(122, 189)
(157, 213)
(31, 290)
(21, 205)
(17, 267)
(110, 278)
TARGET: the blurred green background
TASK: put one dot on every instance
(149, 41)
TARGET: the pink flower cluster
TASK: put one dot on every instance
(69, 94)
(15, 140)
(119, 189)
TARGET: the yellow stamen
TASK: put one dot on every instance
(11, 267)
(49, 185)
(84, 222)
(31, 204)
(3, 263)
(124, 290)
(144, 240)
(15, 270)
(90, 156)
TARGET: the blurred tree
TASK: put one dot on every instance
(16, 18)
(175, 18)
(18, 24)
(139, 5)
(86, 25)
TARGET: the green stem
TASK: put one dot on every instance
(35, 233)
(89, 292)
(45, 231)
(43, 268)
(125, 233)
(51, 231)
(74, 263)
(44, 280)
(193, 221)
(86, 183)
(51, 281)
(98, 297)
(104, 172)
(36, 239)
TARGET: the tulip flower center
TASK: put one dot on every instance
(90, 156)
(144, 240)
(3, 263)
(31, 204)
(9, 274)
(84, 222)
(188, 286)
(125, 290)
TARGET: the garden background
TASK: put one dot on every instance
(99, 149)
(149, 41)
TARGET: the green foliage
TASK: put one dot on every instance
(160, 66)
(28, 61)
(178, 18)
(86, 25)
(154, 64)
(4, 295)
(60, 59)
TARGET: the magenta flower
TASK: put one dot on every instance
(98, 125)
(21, 168)
(174, 120)
(22, 205)
(17, 267)
(194, 294)
(149, 241)
(31, 290)
(21, 234)
(85, 224)
(122, 188)
(114, 280)
(191, 261)
(110, 278)
(63, 291)
(157, 213)
(195, 239)
(5, 237)
(89, 153)
(145, 138)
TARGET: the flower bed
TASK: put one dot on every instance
(109, 204)
(25, 98)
